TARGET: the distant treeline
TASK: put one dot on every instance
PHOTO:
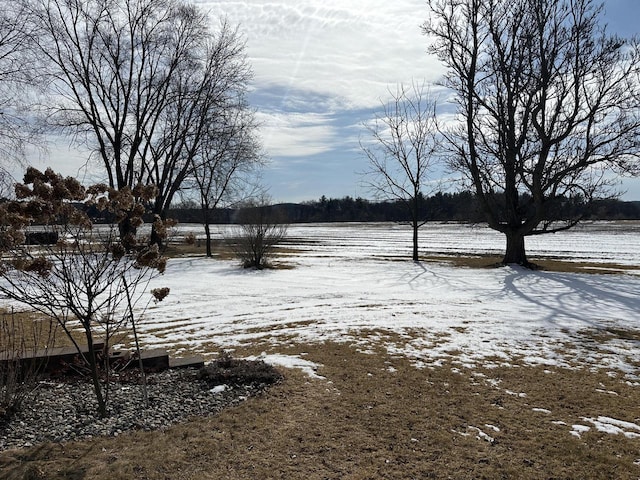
(459, 207)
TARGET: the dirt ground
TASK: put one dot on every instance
(374, 416)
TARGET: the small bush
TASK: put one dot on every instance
(235, 372)
(190, 238)
(260, 228)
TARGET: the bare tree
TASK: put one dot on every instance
(17, 76)
(136, 81)
(226, 161)
(547, 102)
(86, 278)
(211, 110)
(260, 228)
(401, 157)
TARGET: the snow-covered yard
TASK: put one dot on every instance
(348, 280)
(405, 370)
(354, 284)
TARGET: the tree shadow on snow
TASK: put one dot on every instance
(589, 300)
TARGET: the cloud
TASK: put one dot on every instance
(321, 69)
(291, 134)
(295, 123)
(351, 51)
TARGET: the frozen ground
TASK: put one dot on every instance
(345, 287)
(355, 283)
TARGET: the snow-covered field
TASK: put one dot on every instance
(598, 242)
(348, 285)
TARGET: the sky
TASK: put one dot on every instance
(322, 69)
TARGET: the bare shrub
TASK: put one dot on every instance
(21, 339)
(260, 228)
(227, 370)
(190, 238)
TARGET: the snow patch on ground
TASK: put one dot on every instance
(290, 361)
(480, 435)
(541, 410)
(578, 430)
(614, 426)
(218, 389)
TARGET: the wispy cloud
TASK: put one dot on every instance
(349, 50)
(321, 68)
(296, 134)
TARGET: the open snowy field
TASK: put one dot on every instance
(598, 242)
(348, 285)
(354, 284)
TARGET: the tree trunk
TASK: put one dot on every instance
(95, 377)
(205, 208)
(515, 253)
(207, 233)
(127, 234)
(156, 239)
(415, 242)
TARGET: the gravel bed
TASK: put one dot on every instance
(61, 411)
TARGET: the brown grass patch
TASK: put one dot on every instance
(622, 334)
(35, 330)
(221, 250)
(542, 263)
(368, 420)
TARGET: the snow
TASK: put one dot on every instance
(597, 242)
(479, 434)
(608, 425)
(578, 430)
(290, 361)
(541, 410)
(218, 389)
(614, 426)
(515, 394)
(347, 279)
(354, 283)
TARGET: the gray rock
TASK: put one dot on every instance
(67, 410)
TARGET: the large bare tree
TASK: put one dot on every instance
(135, 81)
(210, 113)
(547, 102)
(403, 151)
